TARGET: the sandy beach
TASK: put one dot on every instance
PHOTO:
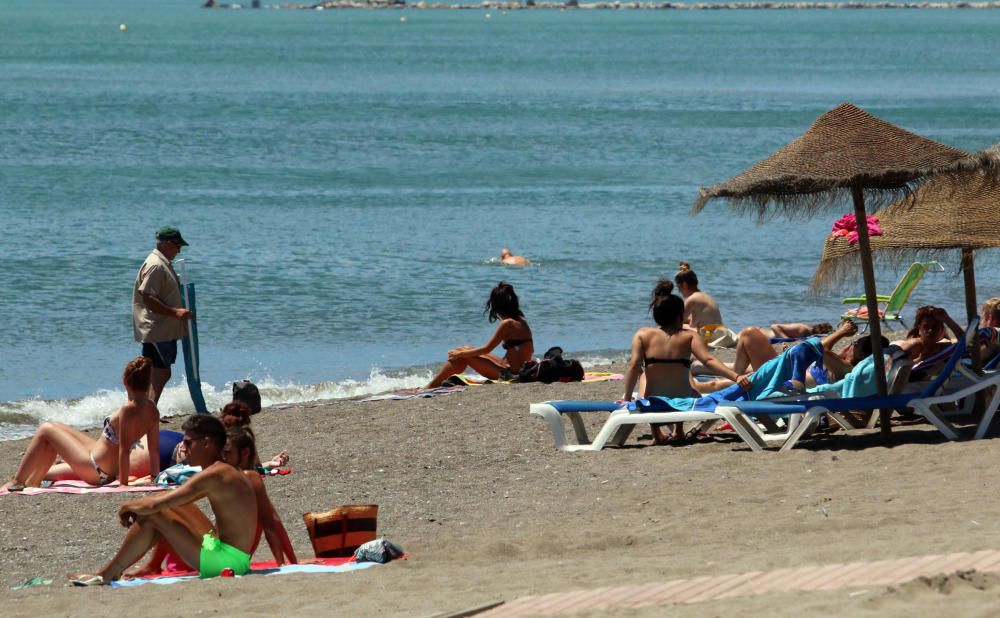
(470, 485)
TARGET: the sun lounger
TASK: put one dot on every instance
(767, 380)
(615, 430)
(892, 309)
(812, 409)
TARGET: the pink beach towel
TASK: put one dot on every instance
(80, 487)
(848, 226)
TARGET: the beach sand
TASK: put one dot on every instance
(470, 485)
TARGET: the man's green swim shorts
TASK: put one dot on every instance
(216, 555)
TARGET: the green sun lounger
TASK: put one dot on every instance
(891, 309)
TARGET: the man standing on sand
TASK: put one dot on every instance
(174, 517)
(158, 316)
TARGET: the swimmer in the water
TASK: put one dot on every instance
(510, 259)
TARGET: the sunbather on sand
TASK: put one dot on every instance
(171, 447)
(100, 461)
(700, 310)
(662, 355)
(513, 332)
(238, 452)
(208, 548)
(926, 338)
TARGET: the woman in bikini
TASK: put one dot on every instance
(662, 356)
(513, 333)
(100, 461)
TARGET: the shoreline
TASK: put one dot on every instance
(574, 4)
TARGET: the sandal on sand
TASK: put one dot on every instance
(87, 580)
(15, 485)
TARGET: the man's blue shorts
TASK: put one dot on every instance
(163, 354)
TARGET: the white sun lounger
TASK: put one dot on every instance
(615, 430)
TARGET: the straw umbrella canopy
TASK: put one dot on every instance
(845, 152)
(947, 213)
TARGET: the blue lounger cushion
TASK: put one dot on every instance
(585, 406)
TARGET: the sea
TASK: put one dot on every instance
(347, 178)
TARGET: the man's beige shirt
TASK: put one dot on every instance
(156, 278)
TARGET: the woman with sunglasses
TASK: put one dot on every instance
(105, 459)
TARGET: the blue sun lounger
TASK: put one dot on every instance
(624, 417)
(924, 402)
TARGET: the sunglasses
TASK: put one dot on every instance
(187, 441)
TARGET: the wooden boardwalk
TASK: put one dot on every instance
(711, 587)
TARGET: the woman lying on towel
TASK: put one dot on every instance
(171, 451)
(100, 461)
(513, 333)
(662, 356)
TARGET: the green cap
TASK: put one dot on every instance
(169, 232)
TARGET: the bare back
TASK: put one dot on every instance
(234, 503)
(671, 378)
(701, 310)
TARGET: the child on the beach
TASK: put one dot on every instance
(513, 333)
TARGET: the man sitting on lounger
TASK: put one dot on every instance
(171, 515)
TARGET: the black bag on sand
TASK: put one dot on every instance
(246, 391)
(551, 368)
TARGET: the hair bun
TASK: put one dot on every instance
(684, 266)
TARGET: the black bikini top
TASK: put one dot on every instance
(667, 361)
(513, 343)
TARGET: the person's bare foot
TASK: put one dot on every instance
(145, 570)
(12, 485)
(279, 460)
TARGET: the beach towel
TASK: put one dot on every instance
(318, 565)
(80, 487)
(768, 381)
(412, 393)
(595, 376)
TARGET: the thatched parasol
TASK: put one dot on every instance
(949, 212)
(845, 152)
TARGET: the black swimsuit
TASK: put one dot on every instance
(513, 343)
(667, 361)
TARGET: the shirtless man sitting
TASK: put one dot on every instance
(239, 452)
(700, 309)
(174, 517)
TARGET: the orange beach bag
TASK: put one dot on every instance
(338, 532)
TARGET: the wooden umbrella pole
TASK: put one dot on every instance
(871, 301)
(971, 307)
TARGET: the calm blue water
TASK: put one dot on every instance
(345, 178)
